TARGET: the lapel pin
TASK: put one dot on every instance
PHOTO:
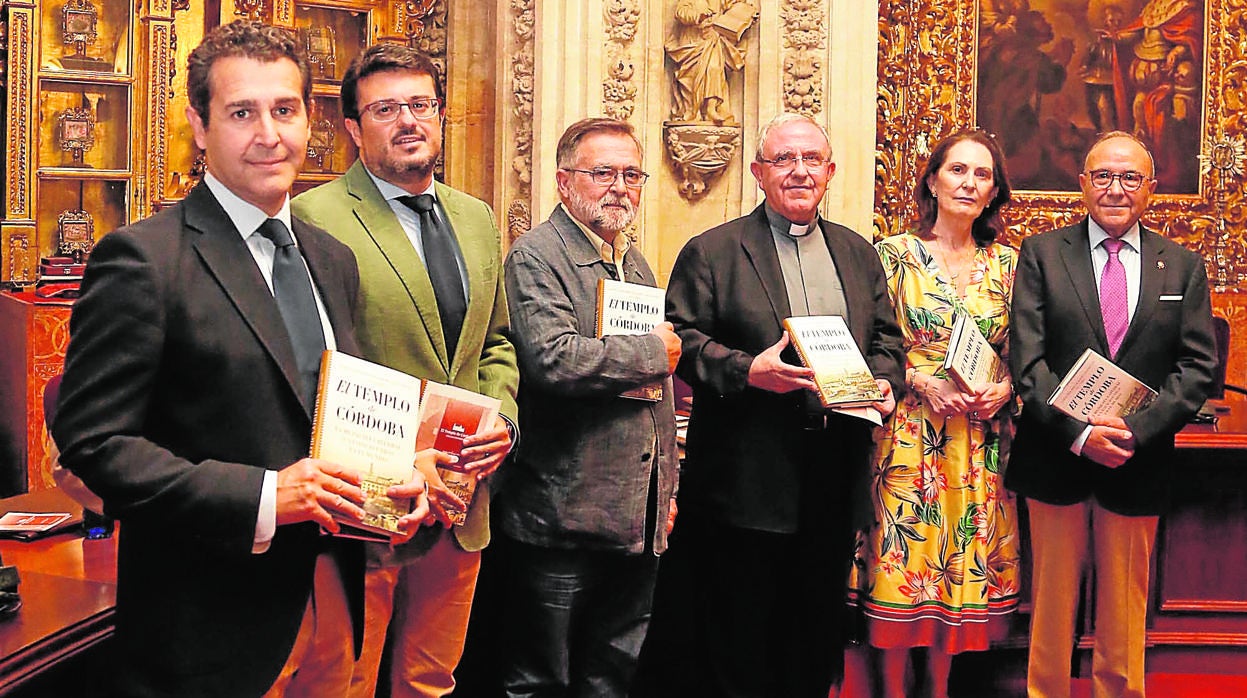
(1160, 264)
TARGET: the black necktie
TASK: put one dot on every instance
(293, 290)
(440, 260)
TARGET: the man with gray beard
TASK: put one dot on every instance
(432, 305)
(588, 499)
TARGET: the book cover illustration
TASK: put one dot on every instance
(824, 344)
(625, 308)
(971, 361)
(448, 415)
(367, 416)
(1097, 387)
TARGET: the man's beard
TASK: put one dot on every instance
(597, 216)
(396, 165)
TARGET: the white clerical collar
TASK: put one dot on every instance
(784, 226)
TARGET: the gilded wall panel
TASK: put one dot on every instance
(929, 68)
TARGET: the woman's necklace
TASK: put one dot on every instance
(945, 261)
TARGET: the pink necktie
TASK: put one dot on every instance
(1113, 298)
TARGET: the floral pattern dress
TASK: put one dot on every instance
(939, 565)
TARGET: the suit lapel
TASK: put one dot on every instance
(387, 234)
(1076, 255)
(857, 305)
(1151, 281)
(759, 249)
(229, 261)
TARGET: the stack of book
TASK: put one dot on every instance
(59, 276)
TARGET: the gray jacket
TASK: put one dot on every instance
(582, 472)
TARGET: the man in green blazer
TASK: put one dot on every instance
(431, 304)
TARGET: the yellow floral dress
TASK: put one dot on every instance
(939, 565)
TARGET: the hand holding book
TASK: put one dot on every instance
(769, 372)
(442, 502)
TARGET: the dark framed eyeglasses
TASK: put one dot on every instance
(386, 110)
(606, 176)
(789, 161)
(1130, 181)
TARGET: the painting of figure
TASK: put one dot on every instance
(1052, 74)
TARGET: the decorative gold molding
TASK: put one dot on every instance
(21, 253)
(251, 9)
(618, 91)
(926, 67)
(283, 13)
(20, 73)
(519, 211)
(161, 57)
(425, 29)
(805, 38)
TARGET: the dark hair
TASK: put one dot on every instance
(245, 39)
(566, 150)
(989, 224)
(382, 57)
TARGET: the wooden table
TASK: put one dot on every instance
(69, 594)
(1198, 610)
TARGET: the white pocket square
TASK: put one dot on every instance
(1170, 298)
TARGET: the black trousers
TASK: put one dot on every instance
(574, 620)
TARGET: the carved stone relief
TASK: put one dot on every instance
(805, 38)
(618, 91)
(706, 45)
(519, 211)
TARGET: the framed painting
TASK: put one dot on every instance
(1053, 74)
(1045, 77)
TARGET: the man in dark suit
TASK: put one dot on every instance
(1142, 301)
(188, 396)
(771, 478)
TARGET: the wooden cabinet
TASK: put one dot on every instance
(94, 97)
(33, 336)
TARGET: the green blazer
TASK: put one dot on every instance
(397, 323)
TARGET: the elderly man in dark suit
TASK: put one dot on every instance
(187, 404)
(1142, 301)
(771, 478)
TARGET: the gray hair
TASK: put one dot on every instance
(1111, 135)
(787, 117)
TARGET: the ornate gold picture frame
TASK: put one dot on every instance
(930, 73)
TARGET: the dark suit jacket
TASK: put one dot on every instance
(749, 463)
(1169, 346)
(180, 389)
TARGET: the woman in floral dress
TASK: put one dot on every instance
(939, 566)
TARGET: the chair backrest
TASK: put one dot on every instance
(1221, 332)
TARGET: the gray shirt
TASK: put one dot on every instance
(809, 271)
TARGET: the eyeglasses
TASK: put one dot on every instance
(388, 110)
(1130, 181)
(788, 162)
(633, 179)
